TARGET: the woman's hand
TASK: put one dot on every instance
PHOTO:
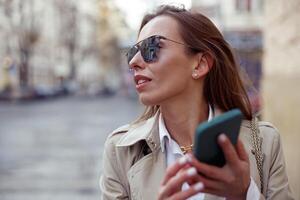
(230, 181)
(177, 174)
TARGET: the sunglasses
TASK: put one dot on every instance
(149, 48)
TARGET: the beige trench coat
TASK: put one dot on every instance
(134, 165)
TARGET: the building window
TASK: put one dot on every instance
(249, 6)
(243, 5)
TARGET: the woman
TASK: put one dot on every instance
(185, 74)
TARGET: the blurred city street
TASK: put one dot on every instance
(65, 84)
(53, 149)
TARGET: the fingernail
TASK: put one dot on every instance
(198, 186)
(191, 171)
(182, 160)
(222, 137)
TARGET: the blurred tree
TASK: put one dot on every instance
(69, 31)
(110, 54)
(24, 24)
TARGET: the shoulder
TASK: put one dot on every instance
(269, 133)
(270, 138)
(115, 136)
(118, 132)
(110, 152)
(123, 147)
(128, 135)
(266, 129)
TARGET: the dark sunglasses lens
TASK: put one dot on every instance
(149, 48)
(131, 53)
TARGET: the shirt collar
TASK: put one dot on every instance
(164, 134)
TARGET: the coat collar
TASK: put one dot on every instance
(143, 131)
(149, 131)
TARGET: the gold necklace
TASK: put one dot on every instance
(187, 148)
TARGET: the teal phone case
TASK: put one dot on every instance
(206, 148)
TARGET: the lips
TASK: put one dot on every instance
(141, 81)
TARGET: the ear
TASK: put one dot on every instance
(204, 64)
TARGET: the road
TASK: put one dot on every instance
(52, 149)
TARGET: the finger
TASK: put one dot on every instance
(175, 183)
(209, 171)
(193, 190)
(213, 192)
(228, 149)
(175, 168)
(209, 183)
(241, 151)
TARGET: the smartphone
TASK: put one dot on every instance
(206, 148)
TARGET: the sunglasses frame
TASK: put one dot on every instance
(149, 50)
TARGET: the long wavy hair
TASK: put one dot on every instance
(223, 85)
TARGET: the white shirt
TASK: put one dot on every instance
(173, 152)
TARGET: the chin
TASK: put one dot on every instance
(148, 100)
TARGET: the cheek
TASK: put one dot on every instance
(161, 93)
(171, 78)
(164, 87)
(171, 75)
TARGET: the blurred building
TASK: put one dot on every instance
(241, 22)
(112, 32)
(69, 45)
(282, 79)
(59, 45)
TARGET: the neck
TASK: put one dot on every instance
(181, 119)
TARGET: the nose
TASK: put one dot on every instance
(137, 62)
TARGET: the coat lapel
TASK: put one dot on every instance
(146, 175)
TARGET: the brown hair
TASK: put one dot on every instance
(223, 85)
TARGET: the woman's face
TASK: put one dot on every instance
(170, 76)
